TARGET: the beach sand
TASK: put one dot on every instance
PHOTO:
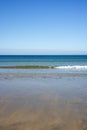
(43, 102)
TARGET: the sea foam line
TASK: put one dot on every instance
(71, 67)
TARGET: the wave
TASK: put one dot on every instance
(71, 67)
(27, 67)
(79, 67)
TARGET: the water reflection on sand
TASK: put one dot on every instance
(43, 103)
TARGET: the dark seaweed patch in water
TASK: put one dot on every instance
(27, 67)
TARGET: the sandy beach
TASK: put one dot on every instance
(43, 102)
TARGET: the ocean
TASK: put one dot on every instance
(43, 64)
(43, 92)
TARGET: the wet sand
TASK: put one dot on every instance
(44, 75)
(43, 102)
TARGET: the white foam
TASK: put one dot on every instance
(71, 67)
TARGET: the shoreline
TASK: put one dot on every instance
(45, 74)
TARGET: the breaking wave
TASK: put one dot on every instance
(71, 67)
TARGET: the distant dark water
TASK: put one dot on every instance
(43, 58)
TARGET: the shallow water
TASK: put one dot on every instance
(43, 103)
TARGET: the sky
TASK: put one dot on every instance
(43, 27)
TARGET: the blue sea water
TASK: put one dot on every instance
(61, 63)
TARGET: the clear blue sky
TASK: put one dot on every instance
(43, 26)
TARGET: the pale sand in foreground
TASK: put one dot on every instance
(38, 103)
